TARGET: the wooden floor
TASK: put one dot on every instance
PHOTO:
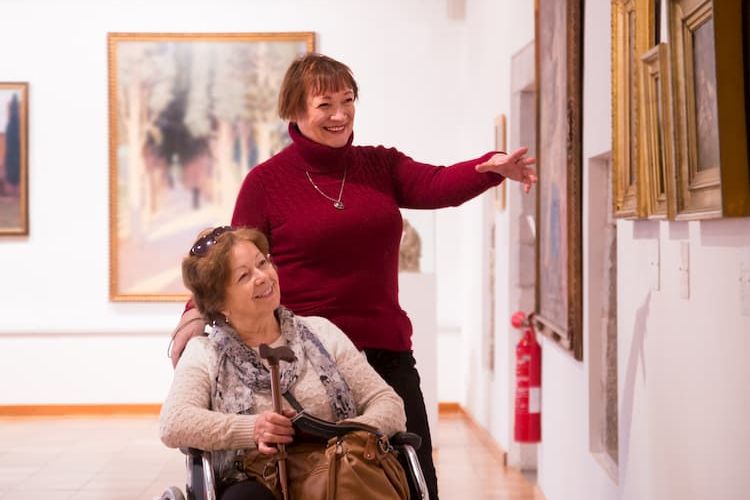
(120, 458)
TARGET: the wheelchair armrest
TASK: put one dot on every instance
(407, 443)
(200, 481)
(192, 452)
(406, 438)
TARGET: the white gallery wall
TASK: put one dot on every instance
(60, 335)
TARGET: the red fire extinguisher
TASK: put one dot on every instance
(528, 425)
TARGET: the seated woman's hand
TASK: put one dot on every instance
(272, 429)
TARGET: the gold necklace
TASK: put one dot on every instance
(337, 203)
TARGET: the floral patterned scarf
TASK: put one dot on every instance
(241, 374)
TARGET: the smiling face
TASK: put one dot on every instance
(252, 291)
(328, 118)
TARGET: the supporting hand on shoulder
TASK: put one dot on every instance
(191, 325)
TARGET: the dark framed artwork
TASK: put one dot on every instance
(14, 152)
(711, 147)
(746, 60)
(558, 310)
(189, 116)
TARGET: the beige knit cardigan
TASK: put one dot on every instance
(187, 421)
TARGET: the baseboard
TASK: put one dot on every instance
(79, 410)
(447, 408)
(444, 408)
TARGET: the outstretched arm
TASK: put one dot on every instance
(420, 185)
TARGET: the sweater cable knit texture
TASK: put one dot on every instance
(187, 419)
(343, 264)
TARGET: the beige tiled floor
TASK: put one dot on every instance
(468, 469)
(116, 458)
(85, 458)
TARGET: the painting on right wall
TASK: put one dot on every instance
(711, 157)
(559, 142)
(680, 147)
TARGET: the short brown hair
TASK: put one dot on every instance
(207, 275)
(312, 74)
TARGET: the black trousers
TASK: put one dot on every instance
(399, 371)
(245, 490)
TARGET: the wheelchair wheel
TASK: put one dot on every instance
(172, 493)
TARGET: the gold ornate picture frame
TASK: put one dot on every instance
(559, 293)
(711, 155)
(189, 116)
(500, 193)
(632, 30)
(657, 179)
(14, 154)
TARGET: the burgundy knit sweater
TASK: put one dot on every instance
(343, 264)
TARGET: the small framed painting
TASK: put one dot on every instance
(14, 169)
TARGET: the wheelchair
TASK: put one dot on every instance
(201, 484)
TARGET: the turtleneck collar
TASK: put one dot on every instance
(319, 157)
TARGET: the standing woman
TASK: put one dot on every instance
(331, 214)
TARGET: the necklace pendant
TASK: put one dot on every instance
(338, 205)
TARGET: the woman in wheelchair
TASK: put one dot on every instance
(220, 398)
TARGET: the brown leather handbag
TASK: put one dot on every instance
(359, 464)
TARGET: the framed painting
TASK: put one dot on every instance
(746, 60)
(633, 25)
(14, 168)
(558, 310)
(189, 116)
(499, 193)
(489, 339)
(657, 180)
(711, 155)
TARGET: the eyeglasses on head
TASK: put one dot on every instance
(200, 248)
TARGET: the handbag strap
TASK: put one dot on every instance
(293, 401)
(324, 429)
(333, 466)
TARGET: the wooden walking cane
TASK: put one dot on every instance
(273, 356)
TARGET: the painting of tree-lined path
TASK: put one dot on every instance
(189, 117)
